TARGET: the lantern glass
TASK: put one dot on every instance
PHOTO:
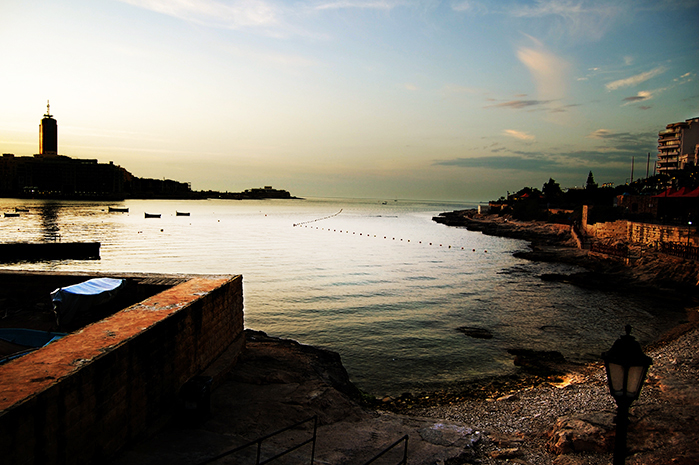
(635, 379)
(615, 375)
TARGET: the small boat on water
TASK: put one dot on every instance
(152, 215)
(119, 209)
(182, 213)
(21, 210)
(11, 215)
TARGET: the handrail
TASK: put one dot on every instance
(404, 461)
(676, 249)
(259, 441)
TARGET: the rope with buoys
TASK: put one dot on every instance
(318, 219)
(305, 225)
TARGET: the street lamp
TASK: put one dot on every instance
(689, 230)
(626, 366)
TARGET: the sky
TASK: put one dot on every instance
(436, 100)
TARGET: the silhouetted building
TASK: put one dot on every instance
(50, 175)
(48, 134)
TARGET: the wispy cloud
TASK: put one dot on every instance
(519, 135)
(635, 80)
(623, 141)
(587, 19)
(519, 104)
(640, 97)
(548, 71)
(469, 6)
(231, 15)
(358, 4)
(506, 162)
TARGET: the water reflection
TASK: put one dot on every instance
(49, 213)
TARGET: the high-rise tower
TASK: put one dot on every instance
(48, 134)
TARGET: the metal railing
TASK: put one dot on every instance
(679, 250)
(259, 442)
(403, 461)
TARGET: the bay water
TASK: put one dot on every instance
(375, 280)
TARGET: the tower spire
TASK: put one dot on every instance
(48, 109)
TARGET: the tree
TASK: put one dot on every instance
(552, 191)
(590, 184)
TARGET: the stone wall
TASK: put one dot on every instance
(642, 233)
(82, 398)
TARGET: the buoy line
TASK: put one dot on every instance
(318, 219)
(374, 235)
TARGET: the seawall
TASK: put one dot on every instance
(86, 396)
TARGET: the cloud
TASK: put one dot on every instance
(232, 15)
(685, 78)
(548, 71)
(409, 86)
(583, 19)
(624, 142)
(635, 80)
(640, 97)
(469, 6)
(519, 135)
(519, 104)
(511, 162)
(356, 4)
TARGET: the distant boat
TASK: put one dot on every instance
(182, 213)
(21, 210)
(119, 209)
(152, 215)
(11, 215)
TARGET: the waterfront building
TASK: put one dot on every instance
(678, 146)
(50, 175)
(48, 134)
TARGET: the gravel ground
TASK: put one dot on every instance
(663, 419)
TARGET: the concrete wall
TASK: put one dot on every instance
(82, 398)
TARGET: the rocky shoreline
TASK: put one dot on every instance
(549, 413)
(542, 421)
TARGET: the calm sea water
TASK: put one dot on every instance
(377, 281)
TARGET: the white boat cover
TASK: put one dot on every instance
(78, 298)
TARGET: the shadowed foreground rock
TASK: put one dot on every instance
(279, 382)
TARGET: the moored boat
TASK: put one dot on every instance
(11, 215)
(15, 342)
(152, 215)
(182, 213)
(119, 209)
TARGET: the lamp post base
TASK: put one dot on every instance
(622, 424)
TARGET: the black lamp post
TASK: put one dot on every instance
(626, 366)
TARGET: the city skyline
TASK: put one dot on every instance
(435, 100)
